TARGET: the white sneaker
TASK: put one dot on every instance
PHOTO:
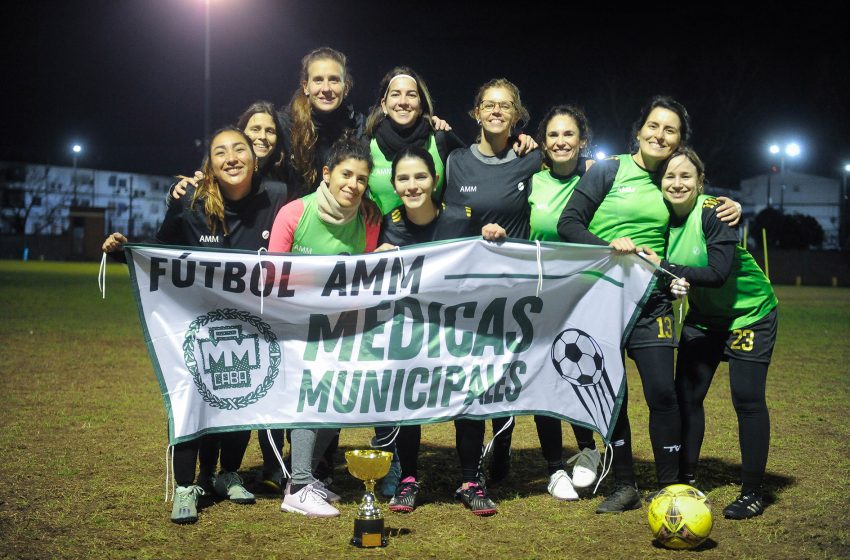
(330, 496)
(560, 486)
(308, 501)
(586, 464)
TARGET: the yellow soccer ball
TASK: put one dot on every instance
(679, 517)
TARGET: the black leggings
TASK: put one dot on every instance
(407, 449)
(232, 446)
(655, 365)
(502, 443)
(695, 369)
(551, 440)
(270, 462)
(469, 441)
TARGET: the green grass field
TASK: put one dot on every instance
(83, 439)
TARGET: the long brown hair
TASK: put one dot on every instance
(275, 163)
(303, 130)
(377, 115)
(208, 189)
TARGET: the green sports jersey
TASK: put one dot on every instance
(315, 237)
(549, 196)
(380, 179)
(744, 298)
(632, 208)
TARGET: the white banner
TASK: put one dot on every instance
(425, 334)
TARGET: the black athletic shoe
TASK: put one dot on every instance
(651, 496)
(475, 498)
(746, 506)
(404, 500)
(624, 498)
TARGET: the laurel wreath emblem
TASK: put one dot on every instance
(191, 363)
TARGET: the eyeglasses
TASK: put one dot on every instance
(489, 106)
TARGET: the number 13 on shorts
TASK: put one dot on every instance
(665, 326)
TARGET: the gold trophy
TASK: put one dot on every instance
(368, 465)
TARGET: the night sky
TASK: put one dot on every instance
(125, 77)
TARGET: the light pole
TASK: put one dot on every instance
(206, 70)
(792, 149)
(76, 149)
(843, 208)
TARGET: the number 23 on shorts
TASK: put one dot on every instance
(743, 340)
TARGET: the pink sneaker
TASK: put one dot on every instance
(309, 501)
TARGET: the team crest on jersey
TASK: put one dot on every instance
(266, 233)
(520, 186)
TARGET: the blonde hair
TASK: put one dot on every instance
(521, 112)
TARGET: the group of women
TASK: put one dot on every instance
(318, 178)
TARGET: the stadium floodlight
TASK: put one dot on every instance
(792, 149)
(774, 149)
(600, 155)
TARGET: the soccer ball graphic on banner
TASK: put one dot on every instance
(577, 357)
(679, 517)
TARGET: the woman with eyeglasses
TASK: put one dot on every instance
(491, 179)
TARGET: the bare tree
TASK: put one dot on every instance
(34, 192)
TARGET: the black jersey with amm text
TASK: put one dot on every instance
(249, 220)
(495, 187)
(453, 222)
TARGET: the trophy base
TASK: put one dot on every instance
(369, 533)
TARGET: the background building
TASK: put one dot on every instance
(797, 193)
(36, 199)
(42, 201)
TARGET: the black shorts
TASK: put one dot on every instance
(656, 325)
(753, 343)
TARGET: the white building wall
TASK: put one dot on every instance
(49, 193)
(798, 193)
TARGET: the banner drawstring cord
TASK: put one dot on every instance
(101, 276)
(489, 447)
(376, 441)
(262, 282)
(606, 466)
(277, 454)
(539, 268)
(401, 258)
(169, 471)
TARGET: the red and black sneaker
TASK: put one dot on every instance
(404, 500)
(475, 498)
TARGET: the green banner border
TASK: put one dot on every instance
(618, 401)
